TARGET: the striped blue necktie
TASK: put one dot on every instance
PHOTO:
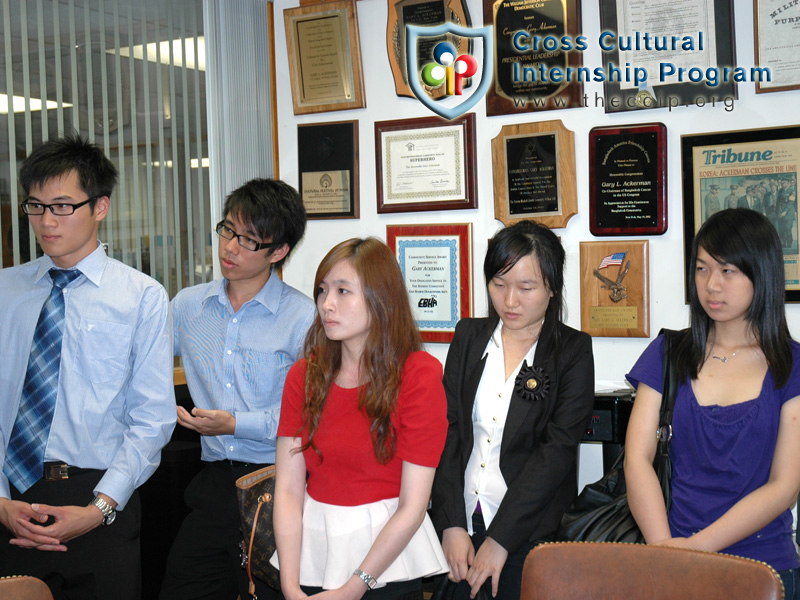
(25, 454)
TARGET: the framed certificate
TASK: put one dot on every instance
(324, 57)
(624, 21)
(534, 173)
(512, 90)
(777, 39)
(755, 169)
(436, 262)
(327, 160)
(628, 180)
(426, 164)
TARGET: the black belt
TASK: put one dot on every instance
(235, 464)
(56, 471)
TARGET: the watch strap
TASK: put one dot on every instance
(108, 511)
(368, 579)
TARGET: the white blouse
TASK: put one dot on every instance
(483, 480)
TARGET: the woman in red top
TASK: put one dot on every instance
(363, 423)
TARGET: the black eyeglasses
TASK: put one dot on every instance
(60, 209)
(244, 241)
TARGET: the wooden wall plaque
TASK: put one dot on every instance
(534, 173)
(615, 288)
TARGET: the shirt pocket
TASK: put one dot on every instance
(265, 373)
(103, 348)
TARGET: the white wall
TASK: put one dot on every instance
(613, 356)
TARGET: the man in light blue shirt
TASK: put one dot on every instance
(237, 338)
(113, 392)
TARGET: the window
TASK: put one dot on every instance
(130, 76)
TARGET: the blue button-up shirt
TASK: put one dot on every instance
(238, 361)
(115, 407)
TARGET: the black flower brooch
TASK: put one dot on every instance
(532, 383)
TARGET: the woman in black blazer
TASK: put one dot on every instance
(525, 379)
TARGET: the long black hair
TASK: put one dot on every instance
(746, 239)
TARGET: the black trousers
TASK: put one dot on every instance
(101, 564)
(204, 562)
(510, 586)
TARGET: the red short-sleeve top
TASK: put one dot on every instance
(349, 474)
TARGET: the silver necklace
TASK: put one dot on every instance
(725, 359)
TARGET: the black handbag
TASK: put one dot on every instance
(601, 513)
(256, 492)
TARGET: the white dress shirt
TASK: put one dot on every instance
(483, 480)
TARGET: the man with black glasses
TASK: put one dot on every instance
(86, 386)
(237, 338)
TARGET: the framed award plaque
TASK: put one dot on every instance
(515, 88)
(436, 262)
(427, 13)
(324, 57)
(426, 164)
(628, 180)
(777, 44)
(615, 289)
(534, 173)
(327, 161)
(663, 87)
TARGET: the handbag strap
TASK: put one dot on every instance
(670, 382)
(261, 501)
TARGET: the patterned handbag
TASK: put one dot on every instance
(256, 492)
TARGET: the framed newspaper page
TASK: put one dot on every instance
(754, 169)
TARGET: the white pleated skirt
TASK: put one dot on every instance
(337, 538)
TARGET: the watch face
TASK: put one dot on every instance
(110, 518)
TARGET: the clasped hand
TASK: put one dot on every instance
(25, 521)
(466, 564)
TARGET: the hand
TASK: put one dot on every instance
(353, 589)
(207, 422)
(12, 511)
(70, 522)
(488, 562)
(293, 594)
(458, 550)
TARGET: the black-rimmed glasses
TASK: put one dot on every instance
(59, 209)
(244, 241)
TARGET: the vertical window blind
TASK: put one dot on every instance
(128, 75)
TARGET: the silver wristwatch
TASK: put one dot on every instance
(366, 578)
(109, 514)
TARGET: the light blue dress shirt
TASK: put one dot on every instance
(115, 408)
(238, 361)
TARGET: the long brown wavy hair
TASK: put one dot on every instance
(392, 336)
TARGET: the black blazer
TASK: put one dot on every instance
(538, 454)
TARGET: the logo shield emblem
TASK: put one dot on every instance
(413, 32)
